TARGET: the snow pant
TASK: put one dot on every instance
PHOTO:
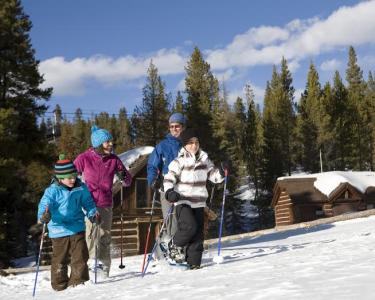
(104, 238)
(171, 222)
(69, 249)
(189, 232)
(169, 228)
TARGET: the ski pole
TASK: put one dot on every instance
(156, 240)
(209, 208)
(149, 229)
(39, 255)
(122, 266)
(219, 259)
(97, 227)
(212, 196)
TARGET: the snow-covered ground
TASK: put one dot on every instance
(332, 261)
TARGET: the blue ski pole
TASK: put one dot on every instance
(156, 241)
(218, 259)
(39, 255)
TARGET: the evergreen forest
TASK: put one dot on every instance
(330, 126)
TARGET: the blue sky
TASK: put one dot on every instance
(95, 53)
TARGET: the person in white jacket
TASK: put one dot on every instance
(185, 186)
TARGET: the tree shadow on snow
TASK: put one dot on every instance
(260, 251)
(282, 235)
(119, 277)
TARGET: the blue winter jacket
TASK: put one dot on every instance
(161, 157)
(65, 206)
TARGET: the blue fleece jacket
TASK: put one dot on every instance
(161, 157)
(65, 207)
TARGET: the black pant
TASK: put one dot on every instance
(189, 232)
(69, 250)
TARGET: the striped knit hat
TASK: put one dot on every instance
(64, 168)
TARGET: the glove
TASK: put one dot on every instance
(125, 178)
(46, 216)
(172, 196)
(95, 219)
(223, 166)
(156, 183)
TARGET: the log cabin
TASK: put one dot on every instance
(301, 198)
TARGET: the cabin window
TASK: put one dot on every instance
(319, 213)
(346, 194)
(141, 192)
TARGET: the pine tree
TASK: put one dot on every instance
(272, 166)
(278, 135)
(308, 121)
(361, 117)
(81, 133)
(23, 145)
(341, 114)
(202, 88)
(150, 120)
(251, 142)
(123, 140)
(370, 103)
(239, 133)
(326, 137)
(179, 103)
(58, 118)
(285, 114)
(67, 142)
(221, 125)
(103, 120)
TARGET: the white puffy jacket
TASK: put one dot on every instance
(188, 175)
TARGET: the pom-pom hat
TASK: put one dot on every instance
(99, 136)
(64, 168)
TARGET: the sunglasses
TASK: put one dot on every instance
(175, 126)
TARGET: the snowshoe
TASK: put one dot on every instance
(176, 253)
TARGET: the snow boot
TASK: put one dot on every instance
(176, 253)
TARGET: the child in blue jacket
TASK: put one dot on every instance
(61, 207)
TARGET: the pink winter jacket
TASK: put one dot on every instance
(98, 172)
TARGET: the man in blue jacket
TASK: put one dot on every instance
(158, 163)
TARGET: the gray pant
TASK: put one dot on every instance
(104, 243)
(170, 226)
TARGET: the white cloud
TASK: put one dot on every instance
(258, 94)
(68, 77)
(368, 61)
(181, 85)
(297, 94)
(224, 76)
(331, 65)
(262, 45)
(299, 38)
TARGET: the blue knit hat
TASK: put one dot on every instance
(99, 136)
(177, 118)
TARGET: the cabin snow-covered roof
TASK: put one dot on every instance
(130, 156)
(328, 182)
(133, 159)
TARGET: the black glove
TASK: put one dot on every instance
(95, 219)
(172, 196)
(223, 166)
(156, 183)
(46, 216)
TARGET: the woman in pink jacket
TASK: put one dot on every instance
(99, 165)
